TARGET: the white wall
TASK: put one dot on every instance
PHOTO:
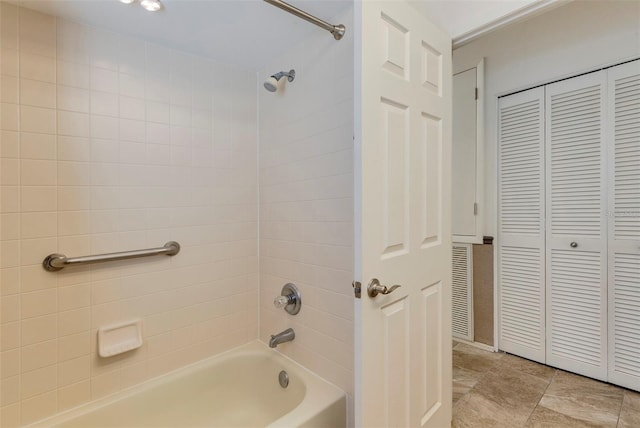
(109, 143)
(565, 41)
(306, 202)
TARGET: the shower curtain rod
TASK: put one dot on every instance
(336, 30)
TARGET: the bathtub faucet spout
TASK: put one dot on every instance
(286, 336)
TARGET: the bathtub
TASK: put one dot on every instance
(239, 388)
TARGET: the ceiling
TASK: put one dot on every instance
(460, 17)
(249, 32)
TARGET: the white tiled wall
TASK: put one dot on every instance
(110, 143)
(306, 203)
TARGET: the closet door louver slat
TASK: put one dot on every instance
(521, 220)
(576, 324)
(624, 225)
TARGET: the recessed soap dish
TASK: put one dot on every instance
(118, 338)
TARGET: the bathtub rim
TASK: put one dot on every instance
(322, 395)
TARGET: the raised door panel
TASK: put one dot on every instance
(521, 241)
(576, 327)
(397, 362)
(624, 227)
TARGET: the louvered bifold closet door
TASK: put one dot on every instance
(576, 226)
(624, 224)
(521, 240)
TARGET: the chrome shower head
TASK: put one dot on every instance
(271, 83)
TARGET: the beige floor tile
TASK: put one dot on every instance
(630, 412)
(584, 399)
(476, 411)
(547, 418)
(472, 358)
(513, 391)
(526, 366)
(463, 381)
(499, 390)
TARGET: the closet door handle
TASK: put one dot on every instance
(574, 244)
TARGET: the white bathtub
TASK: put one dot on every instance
(239, 388)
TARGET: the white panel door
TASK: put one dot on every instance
(624, 224)
(576, 225)
(403, 218)
(521, 239)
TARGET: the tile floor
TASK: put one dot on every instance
(501, 390)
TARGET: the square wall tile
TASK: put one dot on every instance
(37, 32)
(36, 330)
(73, 74)
(74, 346)
(74, 395)
(37, 146)
(38, 94)
(39, 224)
(38, 303)
(10, 307)
(72, 42)
(9, 363)
(9, 144)
(37, 119)
(40, 355)
(9, 25)
(9, 390)
(33, 251)
(37, 67)
(73, 99)
(9, 227)
(9, 89)
(38, 172)
(10, 251)
(73, 124)
(39, 407)
(10, 336)
(10, 120)
(38, 198)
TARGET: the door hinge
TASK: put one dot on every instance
(475, 208)
(476, 93)
(357, 289)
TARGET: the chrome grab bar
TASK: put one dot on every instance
(55, 262)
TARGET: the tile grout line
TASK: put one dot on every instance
(624, 393)
(555, 372)
(482, 376)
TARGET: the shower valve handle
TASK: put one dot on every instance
(281, 301)
(289, 299)
(374, 288)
